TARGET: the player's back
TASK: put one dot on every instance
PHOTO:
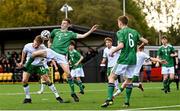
(129, 37)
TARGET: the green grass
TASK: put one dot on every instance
(12, 95)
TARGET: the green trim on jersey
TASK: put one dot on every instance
(129, 37)
(61, 40)
(74, 57)
(164, 53)
(41, 70)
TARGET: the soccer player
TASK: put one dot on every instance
(38, 66)
(111, 60)
(60, 41)
(43, 83)
(77, 72)
(167, 52)
(127, 42)
(141, 57)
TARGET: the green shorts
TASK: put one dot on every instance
(135, 79)
(41, 70)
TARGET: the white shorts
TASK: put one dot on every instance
(78, 72)
(125, 70)
(59, 58)
(167, 70)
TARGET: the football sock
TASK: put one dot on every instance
(26, 90)
(116, 83)
(42, 87)
(128, 93)
(165, 84)
(110, 90)
(71, 84)
(53, 89)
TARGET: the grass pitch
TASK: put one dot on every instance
(12, 95)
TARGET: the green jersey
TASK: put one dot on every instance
(129, 37)
(74, 57)
(164, 53)
(61, 40)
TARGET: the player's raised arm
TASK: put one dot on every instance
(145, 41)
(88, 33)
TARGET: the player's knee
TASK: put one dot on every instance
(24, 81)
(78, 78)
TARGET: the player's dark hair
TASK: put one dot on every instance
(73, 43)
(164, 37)
(123, 19)
(68, 20)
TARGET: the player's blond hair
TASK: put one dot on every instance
(107, 39)
(38, 39)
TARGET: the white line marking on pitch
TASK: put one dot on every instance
(159, 107)
(8, 94)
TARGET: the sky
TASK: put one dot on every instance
(168, 14)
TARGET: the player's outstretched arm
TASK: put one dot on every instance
(158, 60)
(88, 33)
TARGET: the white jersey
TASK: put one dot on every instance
(38, 61)
(111, 60)
(141, 56)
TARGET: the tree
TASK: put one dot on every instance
(139, 22)
(163, 16)
(18, 13)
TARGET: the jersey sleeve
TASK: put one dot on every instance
(159, 52)
(53, 33)
(73, 35)
(25, 49)
(120, 38)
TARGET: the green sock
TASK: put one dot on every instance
(28, 63)
(169, 81)
(135, 79)
(71, 84)
(128, 94)
(80, 85)
(76, 82)
(110, 90)
(165, 84)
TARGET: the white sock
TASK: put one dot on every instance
(135, 84)
(116, 83)
(42, 87)
(117, 93)
(53, 89)
(26, 90)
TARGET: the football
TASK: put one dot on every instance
(45, 34)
